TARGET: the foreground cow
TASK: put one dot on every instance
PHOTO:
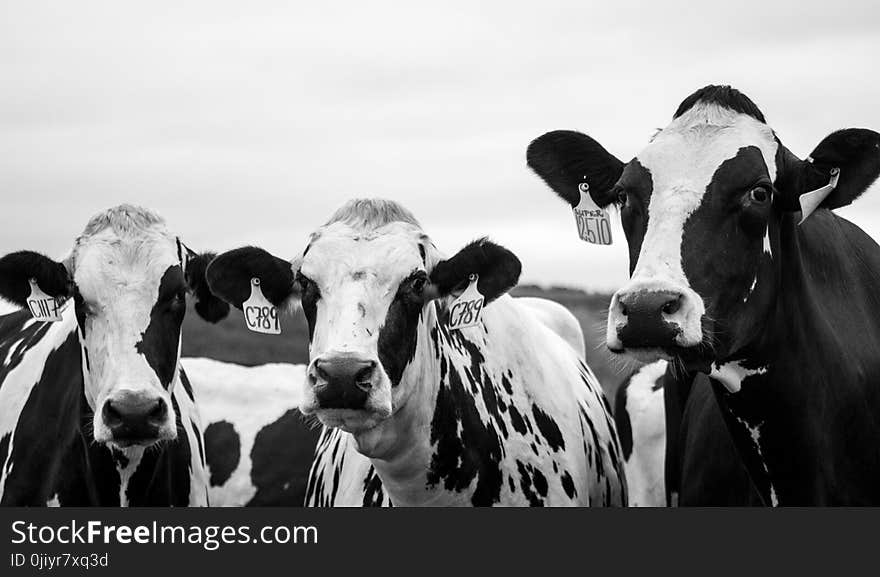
(683, 455)
(342, 477)
(258, 448)
(501, 413)
(94, 408)
(782, 315)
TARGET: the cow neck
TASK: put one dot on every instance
(819, 347)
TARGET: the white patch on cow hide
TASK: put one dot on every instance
(645, 468)
(732, 374)
(755, 434)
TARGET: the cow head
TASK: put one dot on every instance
(128, 278)
(700, 206)
(365, 280)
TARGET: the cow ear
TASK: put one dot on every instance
(564, 159)
(497, 267)
(841, 167)
(17, 268)
(229, 276)
(210, 307)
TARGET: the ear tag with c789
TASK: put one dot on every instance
(594, 223)
(260, 315)
(465, 311)
(42, 306)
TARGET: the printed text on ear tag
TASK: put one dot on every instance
(465, 311)
(594, 223)
(42, 306)
(260, 315)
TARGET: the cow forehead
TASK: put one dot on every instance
(106, 263)
(685, 155)
(340, 254)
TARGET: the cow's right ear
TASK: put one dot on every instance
(17, 268)
(229, 276)
(564, 159)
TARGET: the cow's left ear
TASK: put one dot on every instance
(841, 168)
(209, 306)
(497, 267)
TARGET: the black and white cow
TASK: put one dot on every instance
(94, 408)
(680, 456)
(342, 477)
(258, 447)
(727, 280)
(501, 413)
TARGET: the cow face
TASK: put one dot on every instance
(699, 206)
(364, 282)
(128, 279)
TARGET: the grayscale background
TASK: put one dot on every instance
(250, 122)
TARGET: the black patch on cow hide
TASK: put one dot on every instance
(222, 451)
(282, 454)
(374, 494)
(163, 476)
(549, 429)
(457, 460)
(159, 342)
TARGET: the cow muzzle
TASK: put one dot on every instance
(347, 390)
(133, 418)
(649, 322)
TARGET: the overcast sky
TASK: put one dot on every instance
(250, 122)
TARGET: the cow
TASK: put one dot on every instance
(94, 408)
(258, 447)
(500, 412)
(740, 271)
(342, 477)
(683, 456)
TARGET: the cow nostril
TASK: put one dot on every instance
(671, 307)
(112, 417)
(158, 412)
(321, 373)
(363, 379)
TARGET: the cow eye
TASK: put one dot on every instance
(418, 285)
(759, 194)
(621, 197)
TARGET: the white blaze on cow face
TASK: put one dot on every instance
(682, 160)
(129, 305)
(354, 287)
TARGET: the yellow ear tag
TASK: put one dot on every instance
(260, 315)
(465, 311)
(594, 223)
(42, 306)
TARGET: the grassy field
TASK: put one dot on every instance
(230, 341)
